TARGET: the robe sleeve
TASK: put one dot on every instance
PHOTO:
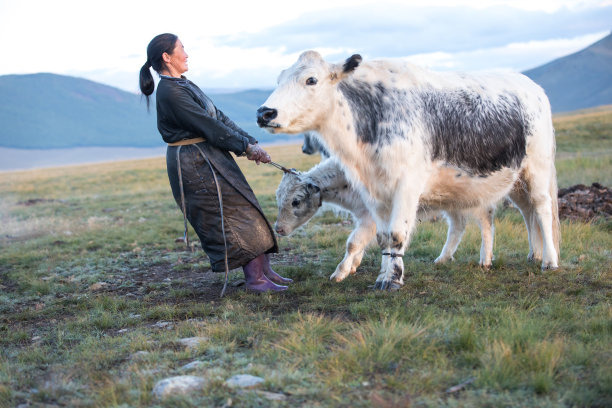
(192, 117)
(230, 123)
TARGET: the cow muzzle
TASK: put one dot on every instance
(265, 115)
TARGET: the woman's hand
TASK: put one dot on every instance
(256, 153)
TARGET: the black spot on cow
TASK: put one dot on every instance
(474, 132)
(397, 241)
(377, 110)
(382, 238)
(398, 271)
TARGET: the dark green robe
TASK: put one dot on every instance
(185, 112)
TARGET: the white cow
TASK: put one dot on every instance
(299, 196)
(399, 130)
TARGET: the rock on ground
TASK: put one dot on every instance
(192, 366)
(182, 384)
(244, 381)
(193, 342)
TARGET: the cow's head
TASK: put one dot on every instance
(304, 95)
(298, 200)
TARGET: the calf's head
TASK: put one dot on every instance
(298, 200)
(304, 95)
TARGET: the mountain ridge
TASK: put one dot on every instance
(579, 80)
(45, 110)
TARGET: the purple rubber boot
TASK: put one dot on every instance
(256, 281)
(273, 276)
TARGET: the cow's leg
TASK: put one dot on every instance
(544, 216)
(539, 180)
(520, 198)
(456, 221)
(355, 248)
(485, 217)
(396, 237)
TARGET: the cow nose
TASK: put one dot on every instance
(280, 230)
(265, 115)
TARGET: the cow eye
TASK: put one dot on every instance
(311, 81)
(295, 203)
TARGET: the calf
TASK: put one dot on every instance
(399, 130)
(312, 145)
(299, 196)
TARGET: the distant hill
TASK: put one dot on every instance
(48, 110)
(56, 111)
(580, 80)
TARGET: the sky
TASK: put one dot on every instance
(245, 44)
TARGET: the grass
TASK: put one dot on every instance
(95, 294)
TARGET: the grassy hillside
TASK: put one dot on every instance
(95, 295)
(584, 146)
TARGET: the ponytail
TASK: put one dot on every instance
(147, 85)
(156, 48)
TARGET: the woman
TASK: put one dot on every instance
(200, 138)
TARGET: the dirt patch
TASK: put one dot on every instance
(34, 201)
(585, 203)
(164, 283)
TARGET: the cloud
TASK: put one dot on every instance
(238, 44)
(515, 56)
(401, 30)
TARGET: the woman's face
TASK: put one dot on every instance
(176, 63)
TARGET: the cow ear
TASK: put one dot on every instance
(339, 71)
(351, 63)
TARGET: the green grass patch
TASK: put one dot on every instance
(95, 295)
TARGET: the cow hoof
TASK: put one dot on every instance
(443, 259)
(391, 286)
(338, 276)
(485, 266)
(549, 266)
(534, 258)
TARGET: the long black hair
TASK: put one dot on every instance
(159, 44)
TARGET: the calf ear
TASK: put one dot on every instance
(312, 188)
(351, 63)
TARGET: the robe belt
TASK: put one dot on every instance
(187, 141)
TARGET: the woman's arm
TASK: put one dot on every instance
(230, 123)
(189, 115)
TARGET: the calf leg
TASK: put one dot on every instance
(485, 216)
(456, 227)
(355, 248)
(544, 217)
